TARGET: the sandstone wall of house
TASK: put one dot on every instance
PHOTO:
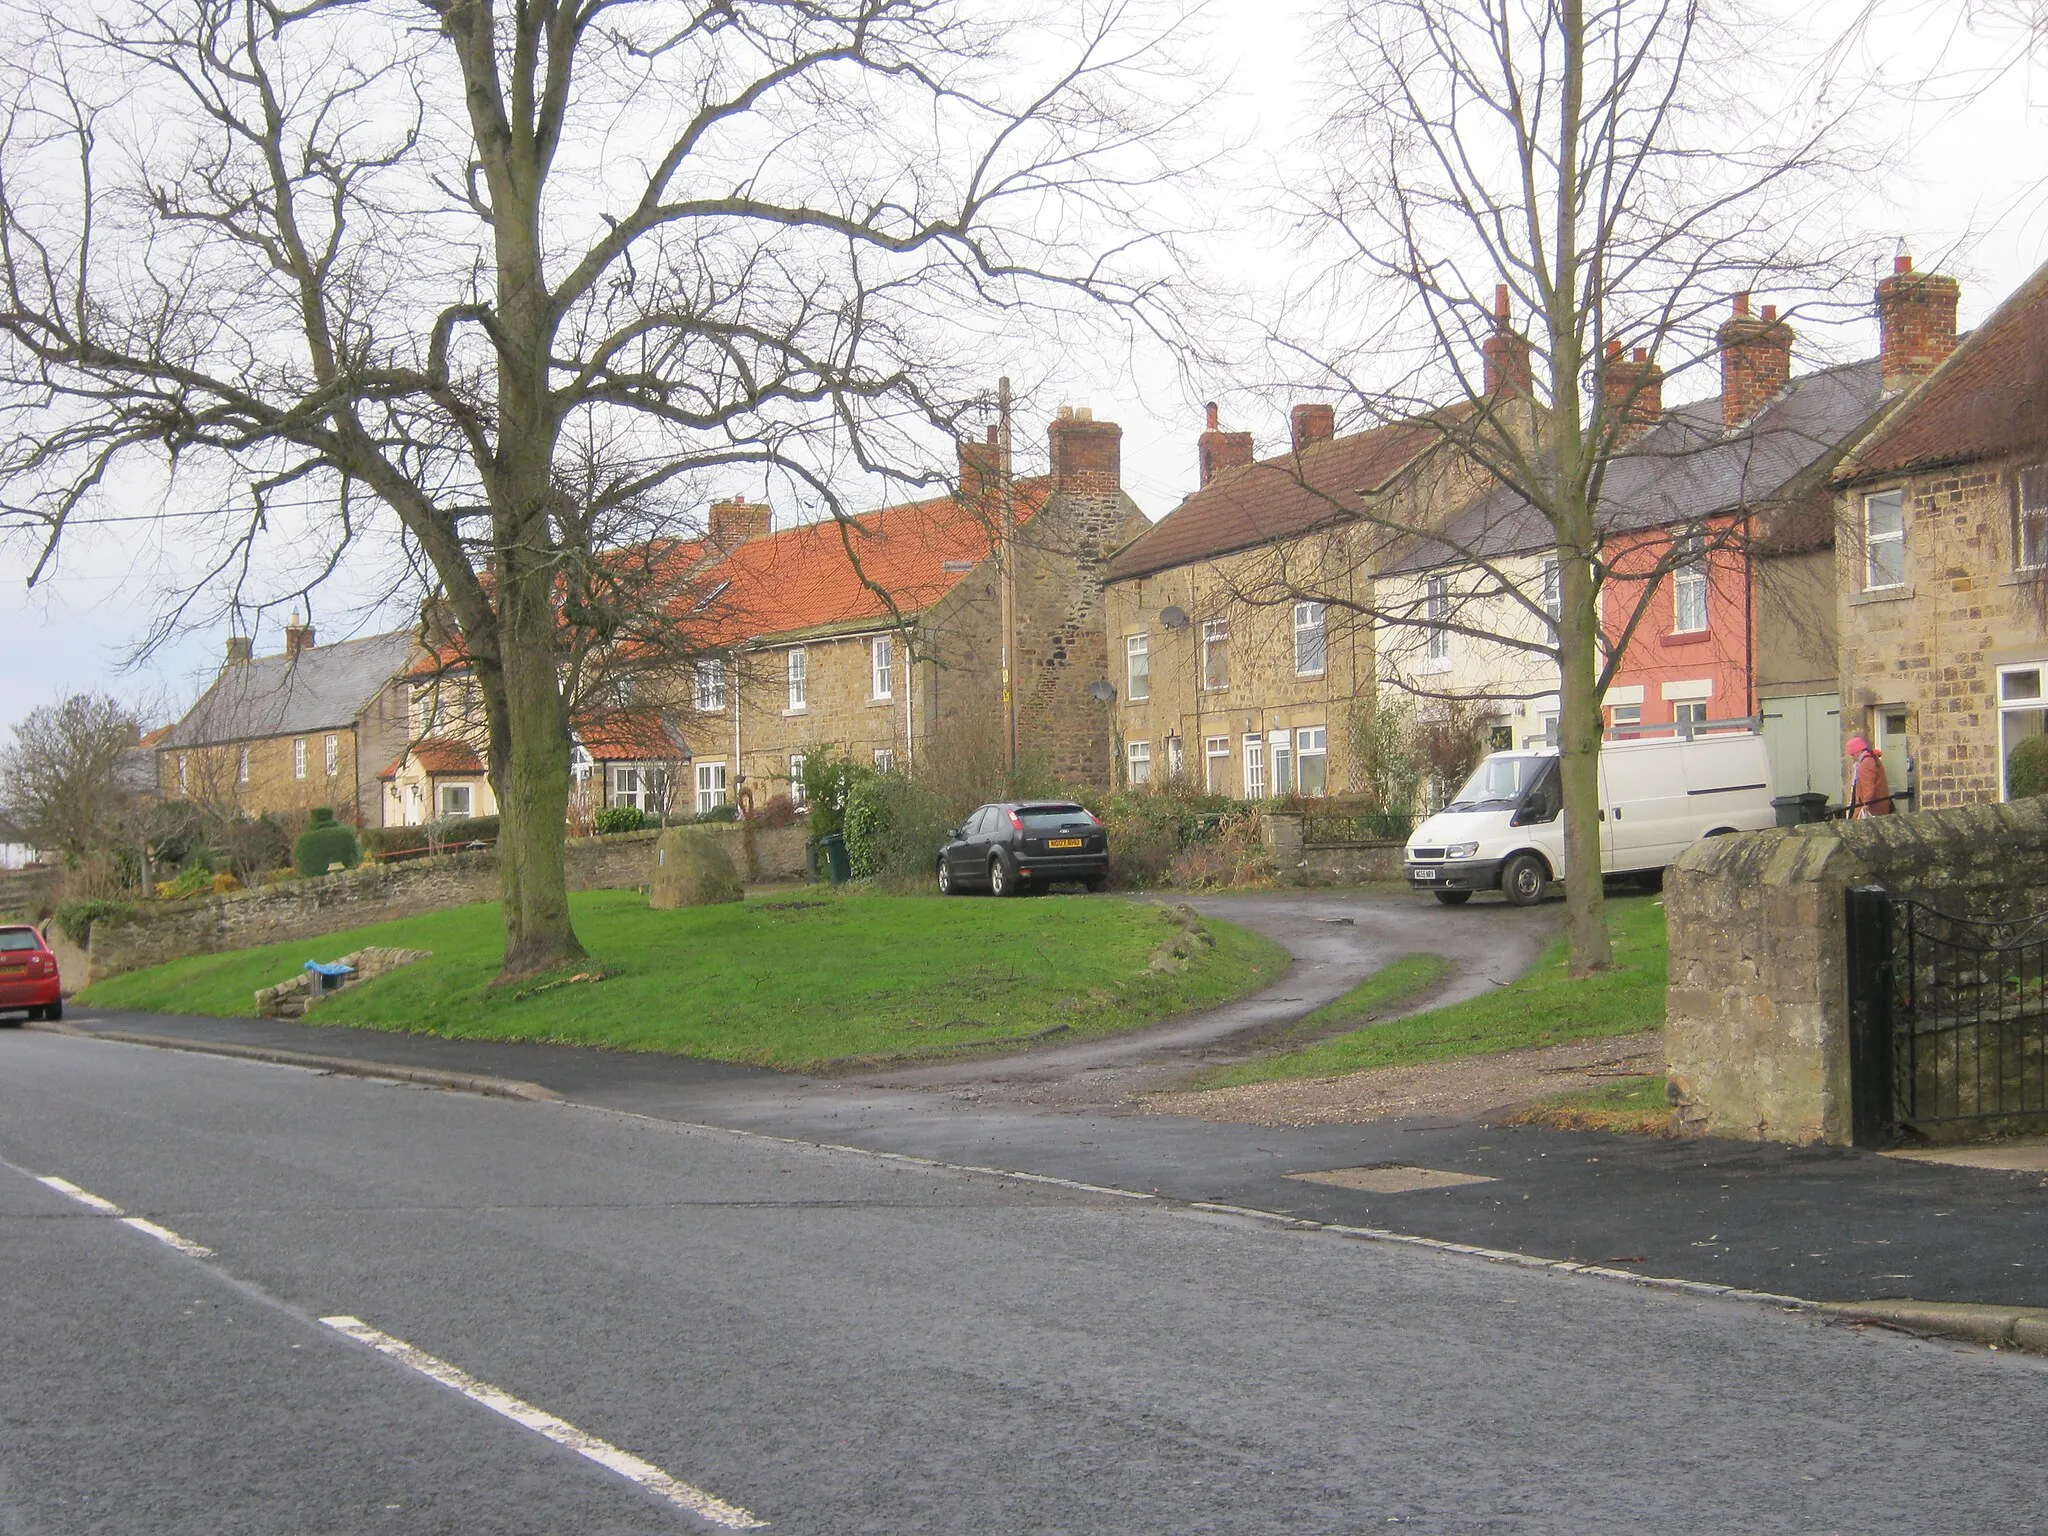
(1933, 646)
(307, 909)
(1756, 1031)
(26, 894)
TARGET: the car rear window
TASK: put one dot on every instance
(1050, 818)
(19, 938)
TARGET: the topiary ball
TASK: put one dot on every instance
(325, 843)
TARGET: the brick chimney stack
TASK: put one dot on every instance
(1632, 387)
(1506, 351)
(734, 522)
(1087, 455)
(297, 637)
(1315, 423)
(1916, 322)
(240, 649)
(1217, 450)
(981, 467)
(1756, 360)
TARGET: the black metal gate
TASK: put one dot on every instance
(1948, 1019)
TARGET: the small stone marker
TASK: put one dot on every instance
(692, 869)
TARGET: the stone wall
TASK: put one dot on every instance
(1756, 1034)
(29, 893)
(1298, 862)
(306, 909)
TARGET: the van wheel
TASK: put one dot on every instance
(1452, 898)
(1523, 879)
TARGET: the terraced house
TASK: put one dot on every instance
(1942, 575)
(882, 636)
(282, 734)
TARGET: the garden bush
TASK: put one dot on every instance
(777, 811)
(252, 848)
(459, 830)
(2026, 769)
(325, 842)
(78, 918)
(718, 815)
(617, 818)
(194, 880)
(829, 778)
(894, 828)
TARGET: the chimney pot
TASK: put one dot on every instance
(297, 637)
(1500, 302)
(1217, 450)
(1916, 322)
(1632, 390)
(1087, 455)
(1756, 360)
(1505, 352)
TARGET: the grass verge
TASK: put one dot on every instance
(1634, 1106)
(1545, 1007)
(793, 983)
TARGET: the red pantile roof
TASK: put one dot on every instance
(626, 736)
(439, 757)
(1276, 498)
(1988, 400)
(152, 738)
(823, 575)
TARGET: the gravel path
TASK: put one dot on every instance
(1464, 1089)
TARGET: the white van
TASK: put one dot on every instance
(1504, 830)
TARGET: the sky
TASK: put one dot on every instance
(1962, 199)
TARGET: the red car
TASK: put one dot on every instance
(28, 974)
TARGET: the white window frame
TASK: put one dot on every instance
(579, 763)
(1550, 588)
(1689, 711)
(1311, 639)
(184, 780)
(1890, 539)
(1138, 762)
(1625, 714)
(443, 800)
(1176, 757)
(241, 766)
(1312, 744)
(885, 759)
(626, 785)
(711, 786)
(796, 779)
(1215, 640)
(1280, 749)
(2009, 707)
(1137, 668)
(799, 665)
(2030, 518)
(298, 757)
(1255, 767)
(1215, 750)
(1689, 585)
(711, 685)
(1436, 613)
(881, 668)
(333, 756)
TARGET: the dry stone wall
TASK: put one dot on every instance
(306, 909)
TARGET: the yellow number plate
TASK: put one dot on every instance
(1063, 842)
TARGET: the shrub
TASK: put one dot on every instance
(252, 848)
(894, 829)
(717, 815)
(224, 882)
(187, 883)
(778, 811)
(618, 818)
(829, 778)
(1233, 855)
(323, 843)
(459, 830)
(78, 918)
(2026, 769)
(379, 841)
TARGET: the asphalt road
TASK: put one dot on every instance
(840, 1343)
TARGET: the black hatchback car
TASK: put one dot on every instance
(1018, 846)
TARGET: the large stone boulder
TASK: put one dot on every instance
(692, 869)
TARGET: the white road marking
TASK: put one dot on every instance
(683, 1495)
(93, 1202)
(67, 1188)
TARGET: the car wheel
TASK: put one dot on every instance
(1523, 880)
(945, 879)
(1000, 881)
(1096, 882)
(1452, 898)
(54, 1013)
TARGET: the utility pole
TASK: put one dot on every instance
(1007, 565)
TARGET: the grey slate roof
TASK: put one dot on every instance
(323, 688)
(1691, 466)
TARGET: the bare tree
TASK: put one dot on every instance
(1606, 166)
(501, 274)
(61, 780)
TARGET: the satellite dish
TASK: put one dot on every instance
(1174, 618)
(1102, 692)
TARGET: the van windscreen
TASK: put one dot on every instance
(1499, 781)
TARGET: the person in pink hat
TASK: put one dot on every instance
(1870, 793)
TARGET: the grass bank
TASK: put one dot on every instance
(1545, 1007)
(794, 982)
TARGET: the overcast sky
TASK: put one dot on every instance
(1963, 200)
